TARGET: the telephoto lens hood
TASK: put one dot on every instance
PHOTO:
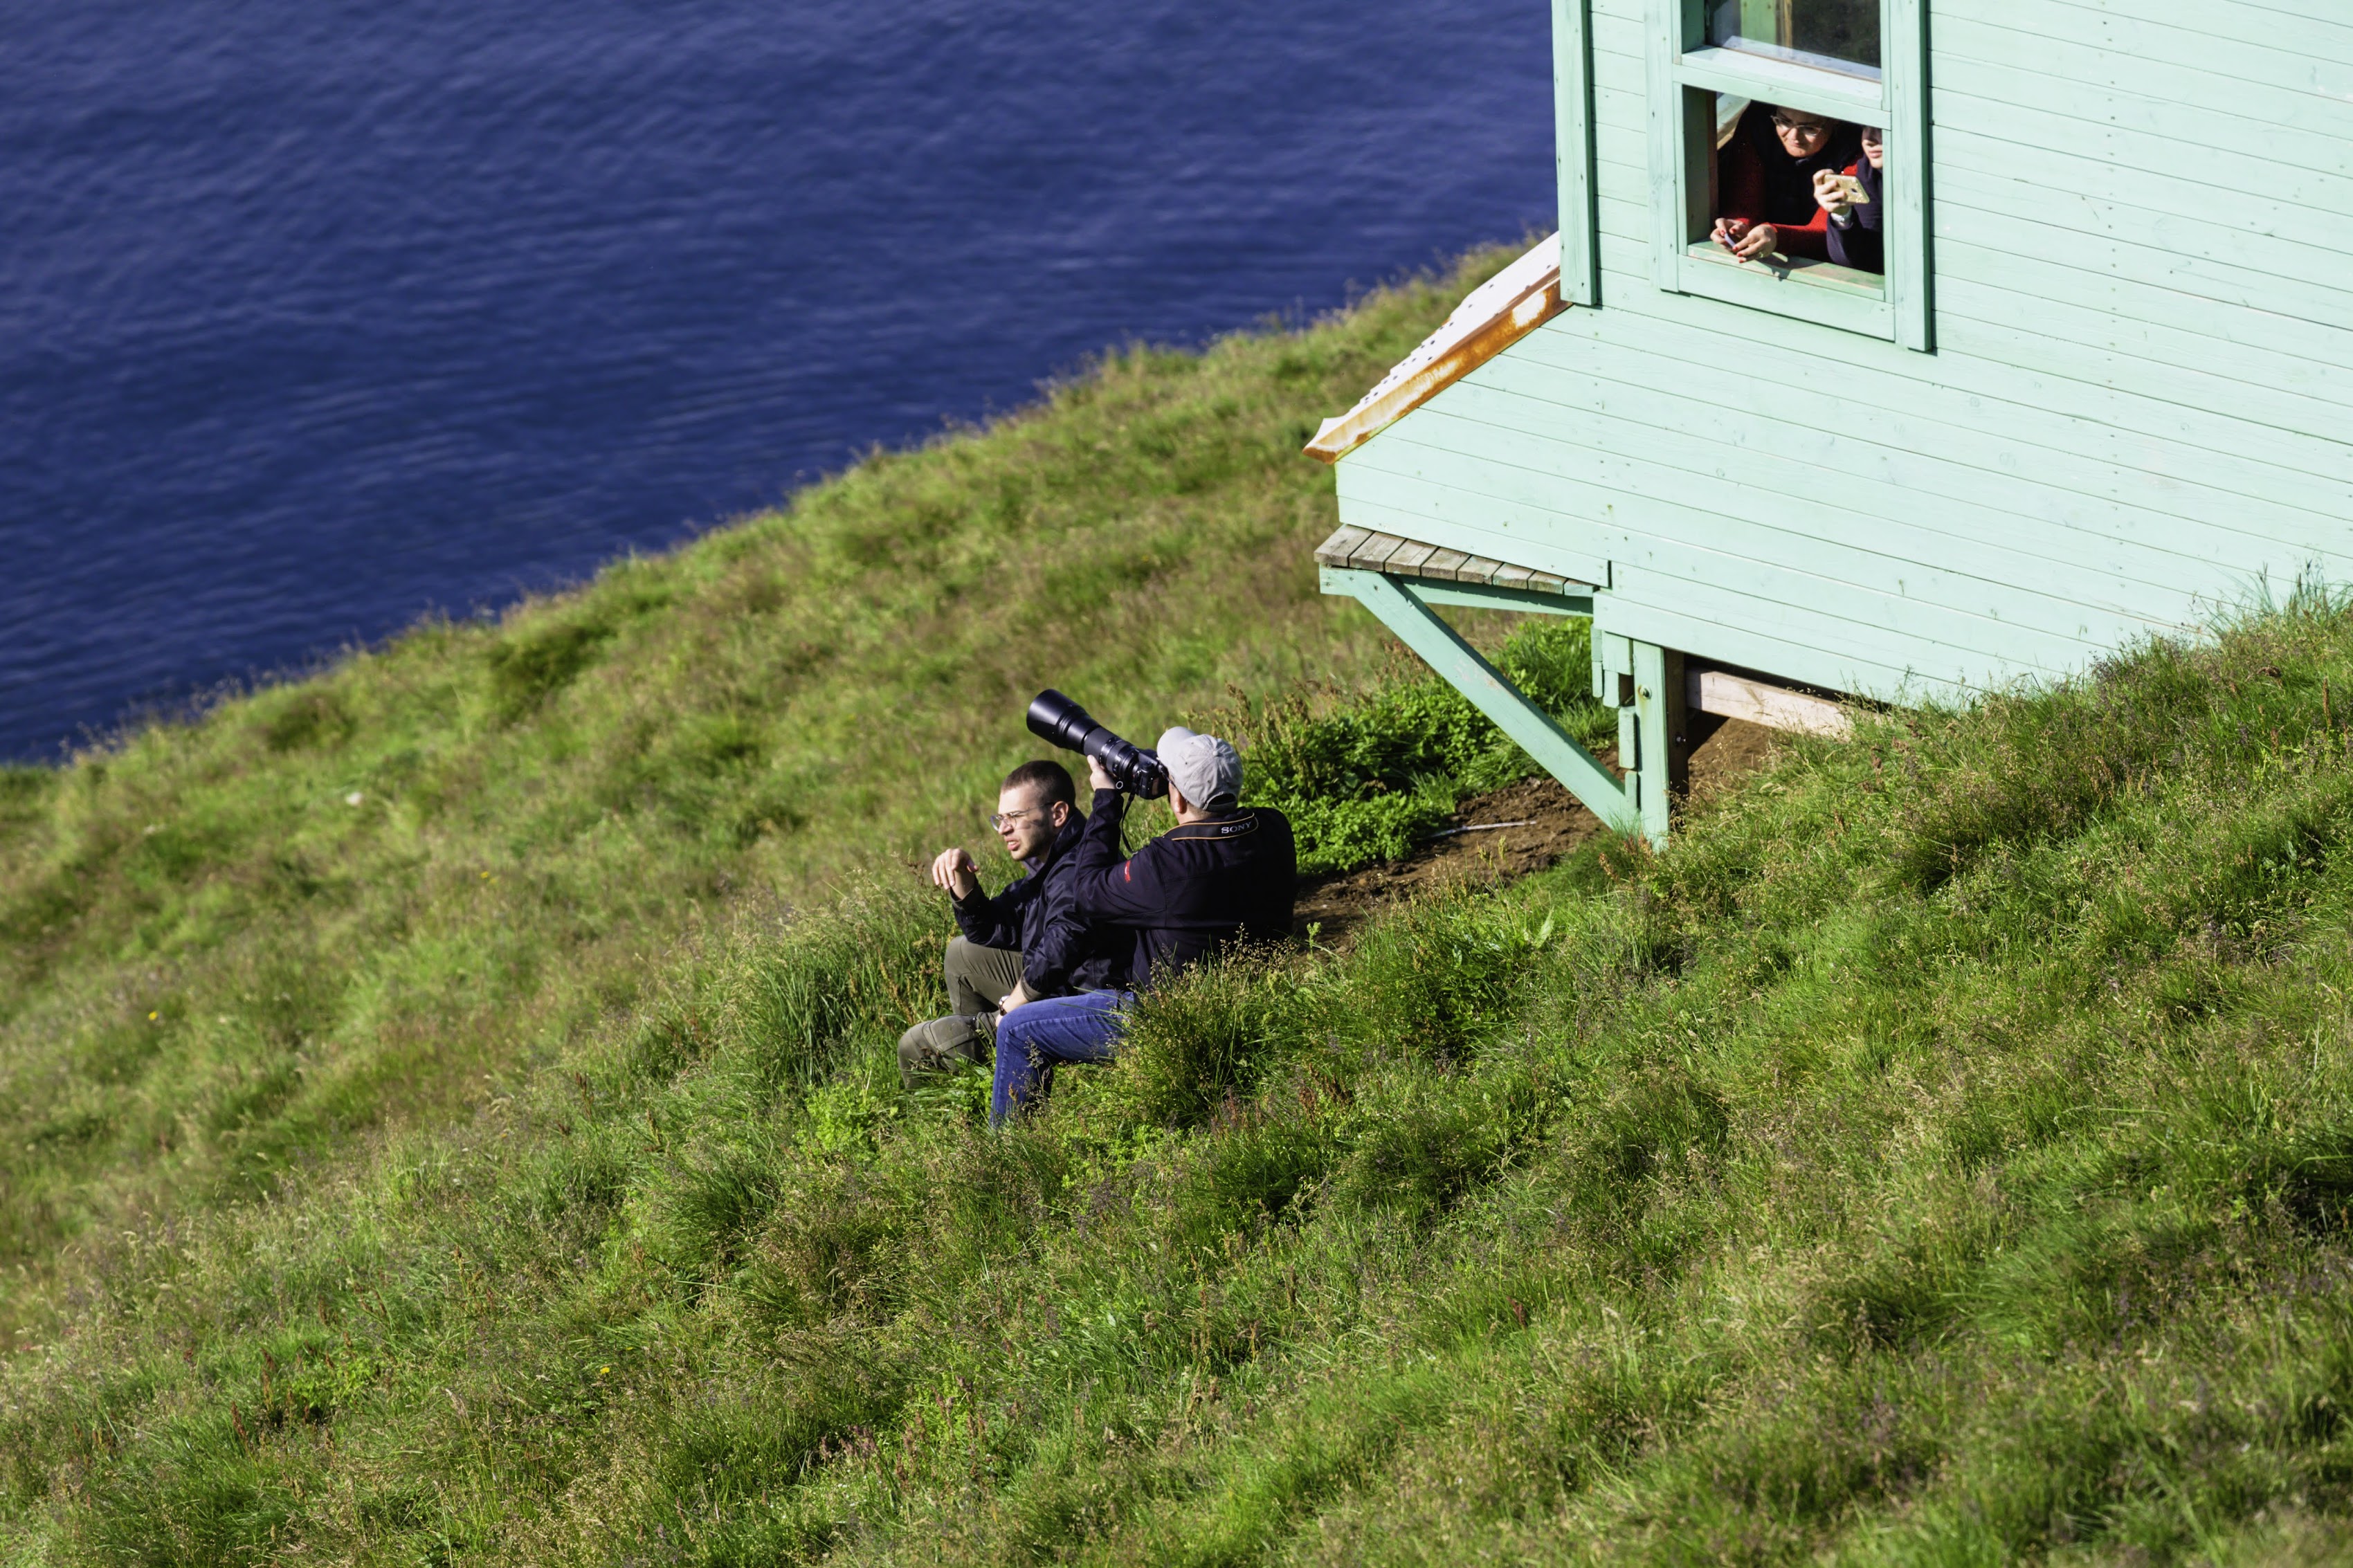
(1057, 720)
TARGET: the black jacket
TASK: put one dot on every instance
(1062, 951)
(1858, 241)
(1191, 891)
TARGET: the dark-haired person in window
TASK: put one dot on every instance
(1767, 173)
(1028, 942)
(1856, 204)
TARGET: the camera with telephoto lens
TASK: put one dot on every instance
(1055, 718)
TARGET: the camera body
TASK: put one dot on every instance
(1055, 719)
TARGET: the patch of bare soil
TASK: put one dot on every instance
(1506, 833)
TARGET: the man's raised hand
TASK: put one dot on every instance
(1100, 775)
(954, 870)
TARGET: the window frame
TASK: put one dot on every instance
(1685, 72)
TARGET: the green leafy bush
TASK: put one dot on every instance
(1364, 782)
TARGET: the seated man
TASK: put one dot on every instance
(1767, 183)
(1223, 875)
(1027, 942)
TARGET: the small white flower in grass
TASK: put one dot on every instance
(355, 797)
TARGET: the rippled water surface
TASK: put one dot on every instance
(319, 314)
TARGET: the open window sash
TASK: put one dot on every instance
(1690, 78)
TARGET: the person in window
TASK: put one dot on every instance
(1856, 205)
(1768, 179)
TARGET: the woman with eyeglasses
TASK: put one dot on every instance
(1766, 177)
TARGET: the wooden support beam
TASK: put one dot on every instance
(1733, 696)
(1659, 774)
(1400, 606)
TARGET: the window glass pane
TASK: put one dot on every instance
(1838, 33)
(1810, 177)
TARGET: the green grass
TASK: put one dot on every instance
(1942, 1153)
(240, 952)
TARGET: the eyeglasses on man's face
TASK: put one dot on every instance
(1800, 127)
(1001, 820)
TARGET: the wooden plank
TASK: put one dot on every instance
(2321, 191)
(2096, 105)
(1375, 552)
(1478, 569)
(2252, 68)
(1622, 501)
(2295, 30)
(1444, 649)
(1885, 626)
(1407, 560)
(1509, 576)
(2118, 204)
(2216, 287)
(2306, 397)
(2045, 417)
(1789, 641)
(1733, 641)
(1475, 525)
(2092, 63)
(1731, 696)
(1337, 550)
(1620, 469)
(1442, 564)
(2306, 357)
(1915, 472)
(2282, 448)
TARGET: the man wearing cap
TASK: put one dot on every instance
(1224, 874)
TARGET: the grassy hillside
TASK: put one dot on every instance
(1942, 1153)
(385, 895)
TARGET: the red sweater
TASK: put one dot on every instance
(1763, 184)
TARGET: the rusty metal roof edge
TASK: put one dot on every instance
(1520, 305)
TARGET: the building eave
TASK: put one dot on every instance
(1491, 319)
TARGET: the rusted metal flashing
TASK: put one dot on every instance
(1363, 549)
(1491, 319)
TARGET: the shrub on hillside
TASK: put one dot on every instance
(1364, 782)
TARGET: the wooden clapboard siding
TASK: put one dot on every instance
(1937, 513)
(1637, 520)
(2137, 414)
(2047, 449)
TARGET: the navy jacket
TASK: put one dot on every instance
(1189, 892)
(1859, 242)
(1061, 951)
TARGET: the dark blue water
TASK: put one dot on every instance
(319, 314)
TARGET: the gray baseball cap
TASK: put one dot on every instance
(1205, 768)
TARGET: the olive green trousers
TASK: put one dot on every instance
(978, 977)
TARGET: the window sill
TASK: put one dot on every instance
(1817, 291)
(1797, 269)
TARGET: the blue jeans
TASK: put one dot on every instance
(1031, 1039)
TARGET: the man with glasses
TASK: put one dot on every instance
(1028, 942)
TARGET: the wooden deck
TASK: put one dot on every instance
(1363, 549)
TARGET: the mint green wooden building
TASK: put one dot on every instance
(2104, 387)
